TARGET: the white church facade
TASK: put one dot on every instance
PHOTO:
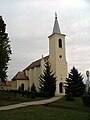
(57, 59)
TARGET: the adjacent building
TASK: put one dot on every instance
(6, 86)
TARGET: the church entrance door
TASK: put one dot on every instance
(61, 87)
(22, 87)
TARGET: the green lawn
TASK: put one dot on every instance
(7, 98)
(58, 110)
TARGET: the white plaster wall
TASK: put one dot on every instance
(59, 65)
(14, 85)
(34, 75)
(25, 82)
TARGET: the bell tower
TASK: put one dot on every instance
(57, 56)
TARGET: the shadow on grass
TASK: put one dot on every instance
(77, 104)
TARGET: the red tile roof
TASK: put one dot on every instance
(20, 76)
(35, 63)
(8, 83)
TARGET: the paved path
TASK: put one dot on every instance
(24, 104)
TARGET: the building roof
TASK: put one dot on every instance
(36, 63)
(56, 28)
(8, 83)
(20, 76)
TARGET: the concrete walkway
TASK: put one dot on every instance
(24, 104)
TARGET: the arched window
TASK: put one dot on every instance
(60, 43)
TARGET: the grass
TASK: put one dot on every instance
(58, 110)
(8, 98)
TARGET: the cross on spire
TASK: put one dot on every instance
(55, 15)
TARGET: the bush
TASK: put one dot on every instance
(27, 94)
(33, 88)
(69, 97)
(33, 95)
(86, 100)
(89, 91)
(44, 94)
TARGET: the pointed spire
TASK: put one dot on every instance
(56, 28)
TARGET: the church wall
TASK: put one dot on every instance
(26, 73)
(25, 82)
(31, 77)
(17, 83)
(60, 51)
(58, 63)
(34, 77)
(38, 72)
(61, 74)
(52, 53)
(61, 65)
(14, 85)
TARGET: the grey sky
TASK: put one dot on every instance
(30, 22)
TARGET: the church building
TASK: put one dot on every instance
(57, 59)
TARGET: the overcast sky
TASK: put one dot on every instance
(30, 22)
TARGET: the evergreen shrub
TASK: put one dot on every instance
(86, 100)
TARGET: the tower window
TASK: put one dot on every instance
(60, 43)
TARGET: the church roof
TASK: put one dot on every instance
(56, 28)
(36, 63)
(20, 76)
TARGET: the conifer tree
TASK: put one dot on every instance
(74, 83)
(48, 81)
(33, 88)
(5, 51)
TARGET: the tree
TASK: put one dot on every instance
(33, 91)
(33, 88)
(5, 51)
(47, 81)
(74, 83)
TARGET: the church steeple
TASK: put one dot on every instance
(57, 56)
(56, 28)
